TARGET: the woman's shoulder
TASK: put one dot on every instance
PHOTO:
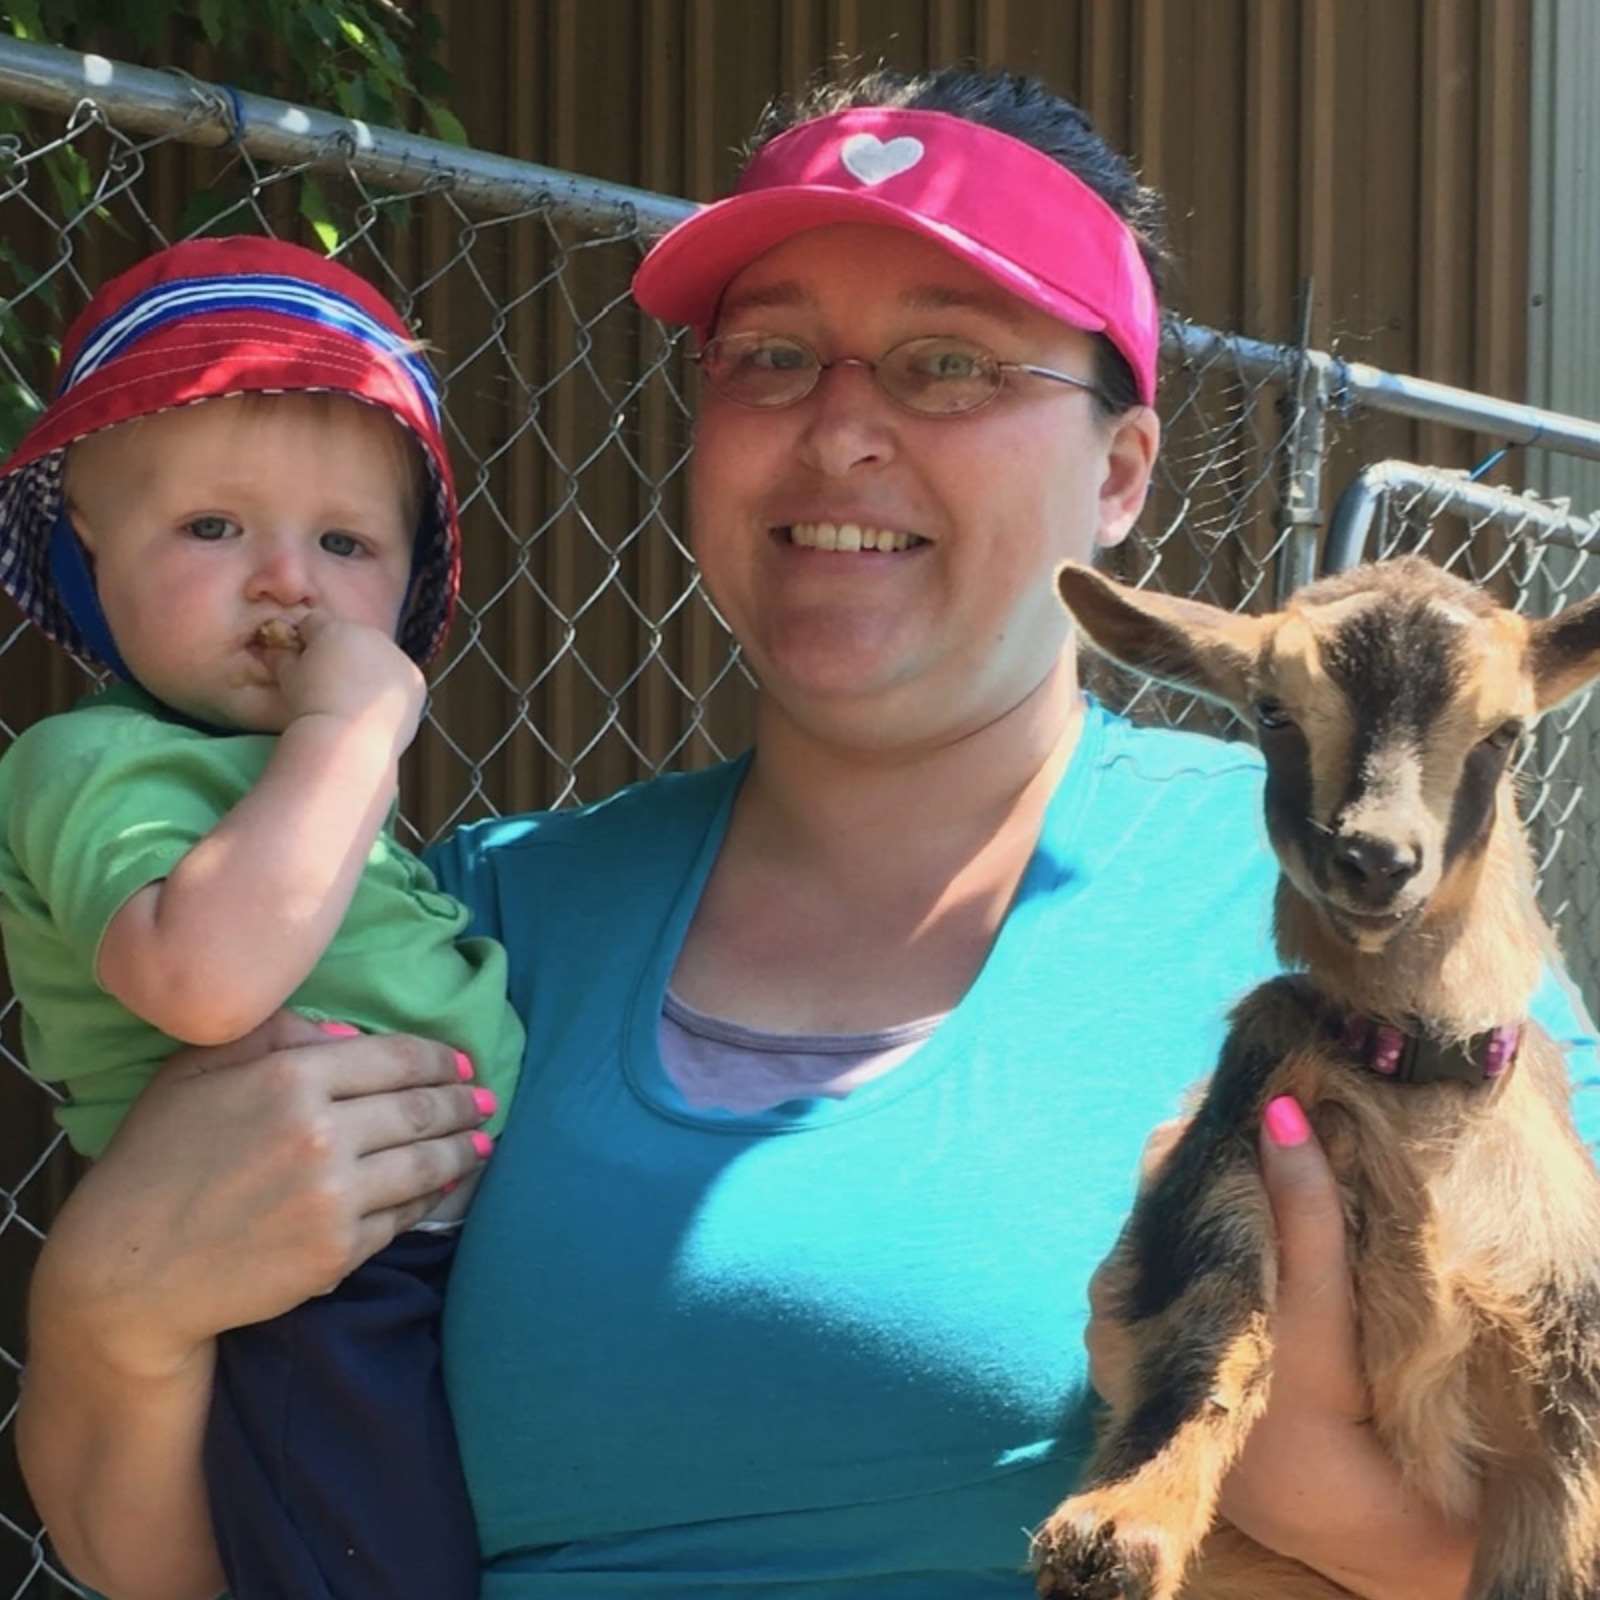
(651, 804)
(650, 821)
(630, 848)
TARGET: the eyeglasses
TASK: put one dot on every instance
(934, 376)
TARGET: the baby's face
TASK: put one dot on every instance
(207, 523)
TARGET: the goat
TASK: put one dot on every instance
(1388, 701)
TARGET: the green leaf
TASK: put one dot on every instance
(323, 24)
(210, 214)
(41, 285)
(389, 49)
(352, 97)
(446, 124)
(211, 15)
(380, 105)
(22, 16)
(69, 177)
(19, 405)
(314, 208)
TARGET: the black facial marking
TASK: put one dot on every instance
(1287, 796)
(1472, 810)
(1399, 663)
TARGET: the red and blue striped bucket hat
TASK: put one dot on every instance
(204, 320)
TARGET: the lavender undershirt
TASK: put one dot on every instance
(724, 1066)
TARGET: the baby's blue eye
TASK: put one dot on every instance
(341, 544)
(211, 528)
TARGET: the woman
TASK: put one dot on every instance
(840, 1056)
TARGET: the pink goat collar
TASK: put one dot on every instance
(1414, 1056)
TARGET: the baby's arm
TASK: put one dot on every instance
(220, 943)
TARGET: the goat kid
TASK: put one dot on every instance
(1388, 702)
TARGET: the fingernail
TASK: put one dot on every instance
(463, 1065)
(338, 1030)
(1286, 1122)
(483, 1144)
(485, 1101)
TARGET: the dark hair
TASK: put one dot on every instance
(1024, 109)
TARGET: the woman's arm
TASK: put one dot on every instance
(243, 1182)
(1314, 1482)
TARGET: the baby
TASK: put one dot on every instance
(239, 502)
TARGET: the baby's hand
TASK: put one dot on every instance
(354, 672)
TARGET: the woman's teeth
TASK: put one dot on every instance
(848, 536)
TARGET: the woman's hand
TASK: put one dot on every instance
(1313, 1482)
(251, 1177)
(245, 1180)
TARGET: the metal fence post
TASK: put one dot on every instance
(1306, 437)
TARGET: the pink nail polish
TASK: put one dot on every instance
(483, 1144)
(1286, 1122)
(463, 1065)
(338, 1030)
(485, 1101)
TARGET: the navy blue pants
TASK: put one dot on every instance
(330, 1457)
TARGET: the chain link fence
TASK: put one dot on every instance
(585, 654)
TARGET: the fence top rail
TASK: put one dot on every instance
(1426, 401)
(156, 102)
(148, 101)
(1441, 489)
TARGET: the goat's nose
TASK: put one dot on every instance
(1375, 868)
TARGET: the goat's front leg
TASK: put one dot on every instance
(1191, 1283)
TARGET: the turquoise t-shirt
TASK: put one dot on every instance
(833, 1349)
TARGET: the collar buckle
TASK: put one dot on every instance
(1414, 1056)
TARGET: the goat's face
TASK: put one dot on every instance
(1388, 702)
(1387, 719)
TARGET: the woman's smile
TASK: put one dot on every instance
(849, 537)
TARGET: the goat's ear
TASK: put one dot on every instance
(1564, 652)
(1186, 643)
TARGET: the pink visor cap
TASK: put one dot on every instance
(1004, 208)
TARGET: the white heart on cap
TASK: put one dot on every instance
(868, 158)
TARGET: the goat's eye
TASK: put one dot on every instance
(1505, 735)
(1270, 716)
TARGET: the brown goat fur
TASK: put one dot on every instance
(1388, 702)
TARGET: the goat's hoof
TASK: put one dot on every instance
(1081, 1553)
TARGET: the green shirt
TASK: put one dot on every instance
(105, 799)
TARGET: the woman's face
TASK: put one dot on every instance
(946, 630)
